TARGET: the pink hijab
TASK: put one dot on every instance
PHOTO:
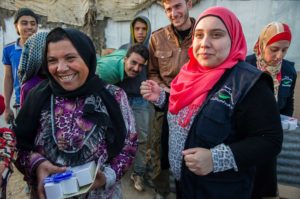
(191, 86)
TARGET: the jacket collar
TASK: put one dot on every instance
(172, 33)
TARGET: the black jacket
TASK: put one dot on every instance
(227, 116)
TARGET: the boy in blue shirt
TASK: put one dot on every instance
(26, 24)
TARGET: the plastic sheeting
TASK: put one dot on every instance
(121, 10)
(66, 11)
(79, 12)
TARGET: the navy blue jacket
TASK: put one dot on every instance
(287, 85)
(218, 122)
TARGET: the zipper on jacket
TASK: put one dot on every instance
(178, 60)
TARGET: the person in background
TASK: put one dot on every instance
(222, 114)
(7, 153)
(29, 72)
(26, 24)
(269, 51)
(140, 32)
(120, 65)
(123, 68)
(168, 52)
(79, 116)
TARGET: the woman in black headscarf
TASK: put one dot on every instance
(73, 118)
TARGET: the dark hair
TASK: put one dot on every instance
(138, 19)
(138, 49)
(25, 12)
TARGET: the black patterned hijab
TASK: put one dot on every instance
(32, 56)
(27, 120)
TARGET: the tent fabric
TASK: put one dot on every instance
(65, 11)
(77, 12)
(81, 12)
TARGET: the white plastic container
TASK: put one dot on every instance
(288, 123)
(85, 173)
(70, 186)
(53, 191)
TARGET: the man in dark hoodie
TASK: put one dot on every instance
(140, 32)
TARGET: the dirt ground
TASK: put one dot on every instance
(16, 188)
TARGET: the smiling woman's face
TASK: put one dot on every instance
(65, 65)
(212, 43)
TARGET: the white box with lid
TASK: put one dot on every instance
(85, 173)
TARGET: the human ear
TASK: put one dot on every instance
(189, 4)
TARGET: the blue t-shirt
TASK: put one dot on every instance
(11, 56)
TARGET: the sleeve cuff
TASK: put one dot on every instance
(35, 162)
(160, 102)
(223, 158)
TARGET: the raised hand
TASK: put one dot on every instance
(150, 90)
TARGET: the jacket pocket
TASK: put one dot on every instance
(228, 187)
(164, 58)
(215, 126)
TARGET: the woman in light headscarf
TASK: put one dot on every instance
(270, 49)
(222, 114)
(72, 118)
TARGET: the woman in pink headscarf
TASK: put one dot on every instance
(222, 113)
(269, 51)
